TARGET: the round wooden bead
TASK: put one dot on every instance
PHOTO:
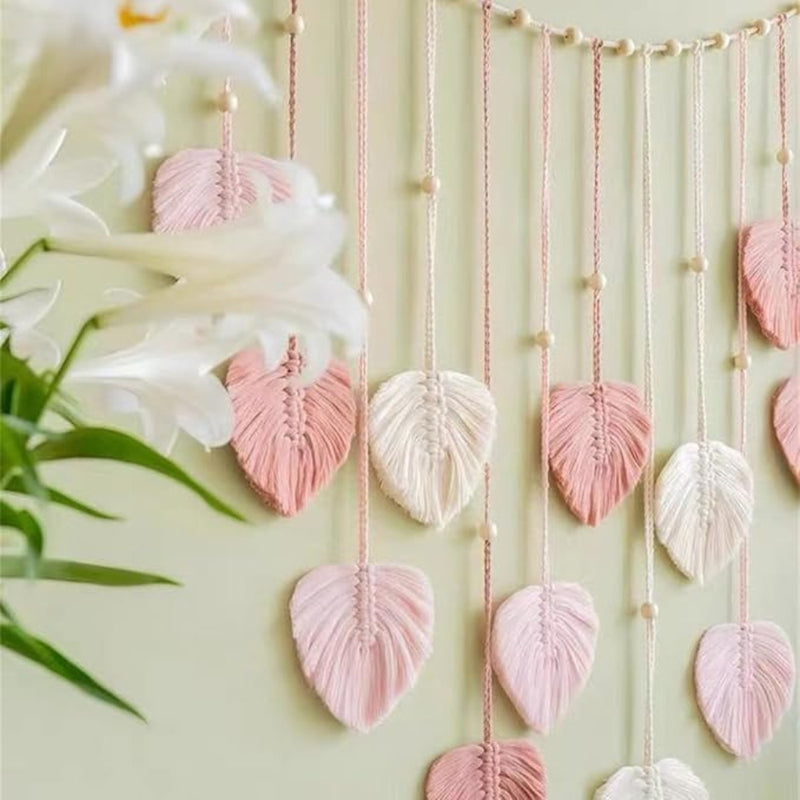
(626, 47)
(573, 36)
(487, 531)
(367, 297)
(763, 27)
(698, 264)
(649, 610)
(673, 47)
(722, 40)
(153, 150)
(742, 361)
(596, 281)
(545, 339)
(294, 24)
(430, 184)
(784, 156)
(227, 101)
(521, 18)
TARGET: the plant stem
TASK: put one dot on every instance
(91, 324)
(40, 245)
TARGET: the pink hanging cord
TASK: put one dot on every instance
(293, 86)
(597, 94)
(362, 165)
(230, 193)
(783, 108)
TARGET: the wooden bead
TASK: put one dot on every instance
(294, 24)
(430, 184)
(521, 18)
(596, 281)
(153, 150)
(573, 36)
(649, 610)
(722, 40)
(626, 47)
(763, 27)
(742, 361)
(673, 47)
(367, 297)
(487, 531)
(227, 101)
(545, 339)
(698, 264)
(784, 156)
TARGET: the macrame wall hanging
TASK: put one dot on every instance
(544, 636)
(704, 496)
(363, 630)
(744, 671)
(431, 430)
(599, 430)
(492, 770)
(667, 779)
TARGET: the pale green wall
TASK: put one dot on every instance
(212, 663)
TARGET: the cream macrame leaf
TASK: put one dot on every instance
(669, 779)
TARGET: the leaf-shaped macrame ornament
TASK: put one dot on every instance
(669, 779)
(543, 646)
(771, 268)
(786, 422)
(201, 187)
(704, 506)
(599, 441)
(362, 635)
(289, 438)
(430, 435)
(510, 770)
(744, 678)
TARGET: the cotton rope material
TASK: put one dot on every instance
(431, 431)
(362, 631)
(599, 430)
(544, 636)
(744, 671)
(772, 248)
(704, 494)
(290, 436)
(667, 779)
(488, 770)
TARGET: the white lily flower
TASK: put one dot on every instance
(271, 268)
(19, 315)
(167, 380)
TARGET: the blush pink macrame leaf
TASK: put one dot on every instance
(289, 438)
(201, 187)
(362, 634)
(430, 435)
(771, 267)
(744, 679)
(669, 779)
(786, 422)
(543, 645)
(599, 441)
(509, 770)
(704, 506)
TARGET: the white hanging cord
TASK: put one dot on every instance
(430, 184)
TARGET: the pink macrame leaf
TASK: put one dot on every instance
(599, 440)
(786, 422)
(289, 438)
(771, 269)
(430, 435)
(744, 678)
(510, 770)
(362, 634)
(669, 779)
(543, 646)
(198, 188)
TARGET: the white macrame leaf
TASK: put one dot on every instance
(430, 435)
(744, 677)
(704, 506)
(543, 644)
(669, 779)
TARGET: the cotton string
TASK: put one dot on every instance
(361, 193)
(649, 402)
(230, 205)
(430, 173)
(744, 553)
(487, 379)
(783, 108)
(597, 75)
(293, 86)
(544, 370)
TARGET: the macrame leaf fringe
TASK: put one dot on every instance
(704, 506)
(599, 441)
(430, 435)
(509, 770)
(772, 279)
(362, 635)
(543, 649)
(669, 779)
(786, 422)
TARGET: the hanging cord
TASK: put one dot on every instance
(741, 308)
(293, 86)
(227, 116)
(544, 369)
(431, 190)
(649, 402)
(487, 379)
(363, 361)
(783, 108)
(597, 94)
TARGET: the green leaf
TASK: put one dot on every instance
(105, 443)
(22, 392)
(18, 640)
(29, 527)
(15, 461)
(80, 572)
(16, 486)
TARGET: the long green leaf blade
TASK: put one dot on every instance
(80, 572)
(24, 522)
(19, 641)
(16, 486)
(105, 443)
